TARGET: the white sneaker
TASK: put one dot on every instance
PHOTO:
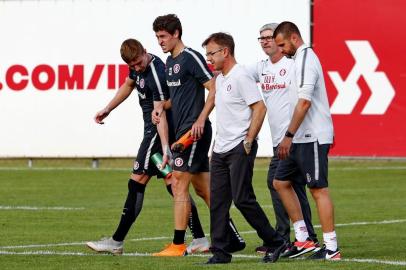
(198, 245)
(107, 245)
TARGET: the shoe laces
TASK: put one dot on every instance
(105, 238)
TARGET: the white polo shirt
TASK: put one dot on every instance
(317, 124)
(279, 94)
(234, 93)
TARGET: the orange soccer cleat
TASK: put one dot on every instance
(172, 250)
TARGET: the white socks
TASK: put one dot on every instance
(330, 240)
(301, 233)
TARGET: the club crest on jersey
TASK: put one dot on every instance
(136, 165)
(178, 162)
(176, 68)
(142, 83)
(282, 72)
(228, 88)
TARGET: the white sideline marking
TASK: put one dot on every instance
(373, 261)
(352, 224)
(355, 168)
(62, 169)
(166, 237)
(45, 245)
(81, 243)
(37, 208)
(262, 206)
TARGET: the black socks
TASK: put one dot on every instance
(132, 208)
(194, 221)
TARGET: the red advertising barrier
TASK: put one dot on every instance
(361, 48)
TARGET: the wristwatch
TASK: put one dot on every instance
(247, 146)
(289, 134)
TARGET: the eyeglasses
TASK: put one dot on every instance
(265, 38)
(213, 53)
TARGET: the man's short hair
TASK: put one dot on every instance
(169, 23)
(286, 29)
(268, 26)
(222, 39)
(131, 49)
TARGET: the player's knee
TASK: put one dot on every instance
(201, 192)
(178, 175)
(280, 185)
(319, 193)
(140, 178)
(179, 189)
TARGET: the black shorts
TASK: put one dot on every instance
(195, 159)
(310, 160)
(272, 171)
(143, 164)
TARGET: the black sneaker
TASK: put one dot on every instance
(326, 254)
(219, 257)
(317, 245)
(261, 249)
(272, 255)
(287, 252)
(300, 248)
(235, 246)
(237, 243)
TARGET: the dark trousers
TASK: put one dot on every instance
(231, 180)
(282, 217)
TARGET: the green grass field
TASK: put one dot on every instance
(49, 211)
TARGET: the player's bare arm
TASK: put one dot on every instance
(198, 126)
(162, 128)
(158, 109)
(122, 94)
(299, 114)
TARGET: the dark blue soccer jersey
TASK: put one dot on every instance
(185, 76)
(151, 86)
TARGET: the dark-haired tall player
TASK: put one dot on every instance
(187, 75)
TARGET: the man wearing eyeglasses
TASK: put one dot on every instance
(275, 75)
(240, 112)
